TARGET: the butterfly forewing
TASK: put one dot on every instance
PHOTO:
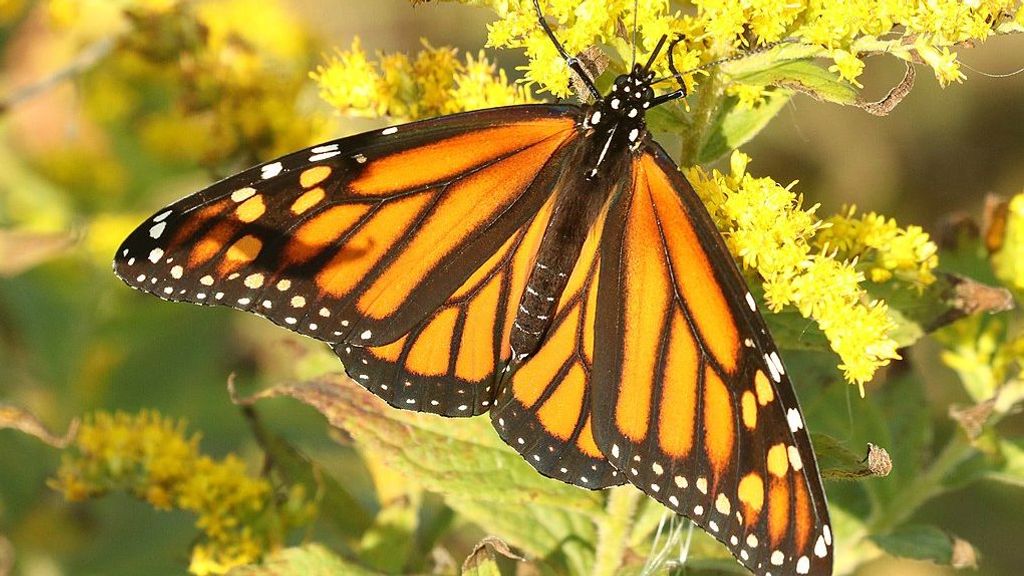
(691, 402)
(358, 239)
(448, 363)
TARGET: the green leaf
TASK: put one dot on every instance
(802, 76)
(1012, 470)
(920, 542)
(468, 464)
(388, 544)
(735, 125)
(337, 505)
(837, 462)
(309, 560)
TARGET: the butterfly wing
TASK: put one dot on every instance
(360, 238)
(410, 241)
(543, 407)
(690, 399)
(448, 362)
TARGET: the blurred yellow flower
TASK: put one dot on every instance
(1008, 260)
(151, 457)
(434, 83)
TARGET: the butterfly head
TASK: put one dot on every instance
(622, 110)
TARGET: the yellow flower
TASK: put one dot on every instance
(151, 457)
(767, 229)
(881, 247)
(750, 96)
(1008, 260)
(719, 28)
(434, 83)
(848, 66)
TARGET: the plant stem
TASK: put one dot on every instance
(709, 96)
(613, 533)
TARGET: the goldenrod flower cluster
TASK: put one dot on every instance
(433, 83)
(881, 247)
(205, 82)
(988, 356)
(844, 32)
(767, 228)
(151, 458)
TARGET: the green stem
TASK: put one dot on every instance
(613, 533)
(709, 96)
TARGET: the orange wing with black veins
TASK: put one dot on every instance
(691, 401)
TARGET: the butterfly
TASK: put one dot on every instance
(547, 264)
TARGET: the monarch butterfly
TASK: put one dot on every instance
(548, 264)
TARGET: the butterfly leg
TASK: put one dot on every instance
(571, 61)
(681, 92)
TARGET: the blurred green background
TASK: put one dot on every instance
(74, 339)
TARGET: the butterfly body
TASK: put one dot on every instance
(546, 264)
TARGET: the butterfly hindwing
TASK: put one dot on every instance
(359, 239)
(543, 407)
(691, 401)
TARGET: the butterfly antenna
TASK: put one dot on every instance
(677, 75)
(677, 94)
(572, 62)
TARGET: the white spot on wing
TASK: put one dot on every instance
(803, 565)
(324, 148)
(157, 230)
(271, 170)
(772, 369)
(243, 194)
(162, 216)
(155, 255)
(794, 458)
(793, 417)
(389, 131)
(324, 156)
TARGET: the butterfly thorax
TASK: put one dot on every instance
(618, 120)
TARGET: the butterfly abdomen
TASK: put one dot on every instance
(578, 202)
